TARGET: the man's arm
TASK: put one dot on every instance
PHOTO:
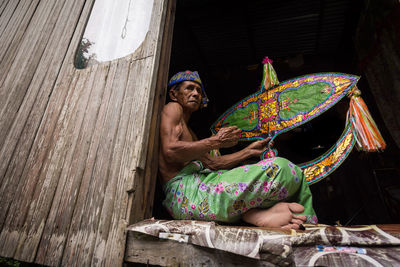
(179, 148)
(229, 161)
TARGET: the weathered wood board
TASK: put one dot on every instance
(73, 143)
(151, 250)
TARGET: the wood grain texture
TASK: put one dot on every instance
(25, 111)
(151, 250)
(16, 28)
(65, 196)
(3, 5)
(72, 142)
(42, 82)
(20, 70)
(7, 9)
(31, 111)
(144, 196)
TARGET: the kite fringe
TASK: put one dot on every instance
(270, 78)
(368, 137)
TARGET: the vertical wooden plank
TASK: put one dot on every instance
(141, 87)
(9, 10)
(44, 134)
(129, 173)
(22, 134)
(57, 98)
(36, 99)
(3, 5)
(8, 29)
(154, 45)
(151, 169)
(20, 73)
(123, 141)
(110, 188)
(28, 44)
(60, 100)
(60, 151)
(108, 223)
(10, 41)
(11, 188)
(62, 158)
(63, 203)
(57, 237)
(85, 217)
(127, 168)
(32, 178)
(37, 159)
(135, 183)
(15, 220)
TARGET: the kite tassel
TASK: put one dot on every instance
(368, 137)
(269, 75)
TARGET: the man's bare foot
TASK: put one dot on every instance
(281, 215)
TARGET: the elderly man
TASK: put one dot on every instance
(271, 193)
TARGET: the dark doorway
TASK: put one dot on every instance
(226, 41)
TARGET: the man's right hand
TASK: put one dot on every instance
(228, 137)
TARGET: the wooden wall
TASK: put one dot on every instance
(73, 143)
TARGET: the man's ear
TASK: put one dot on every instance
(172, 93)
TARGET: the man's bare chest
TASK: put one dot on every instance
(186, 133)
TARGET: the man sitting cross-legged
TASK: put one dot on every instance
(270, 193)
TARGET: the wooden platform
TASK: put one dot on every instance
(206, 243)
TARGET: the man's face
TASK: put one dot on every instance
(188, 95)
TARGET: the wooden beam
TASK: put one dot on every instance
(152, 250)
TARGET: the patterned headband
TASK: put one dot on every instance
(189, 76)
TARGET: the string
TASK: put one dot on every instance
(124, 29)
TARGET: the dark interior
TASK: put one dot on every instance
(225, 41)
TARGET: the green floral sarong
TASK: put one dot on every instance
(201, 194)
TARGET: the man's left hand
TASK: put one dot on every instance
(257, 148)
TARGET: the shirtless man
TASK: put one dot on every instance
(189, 172)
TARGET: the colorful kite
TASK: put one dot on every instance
(278, 108)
